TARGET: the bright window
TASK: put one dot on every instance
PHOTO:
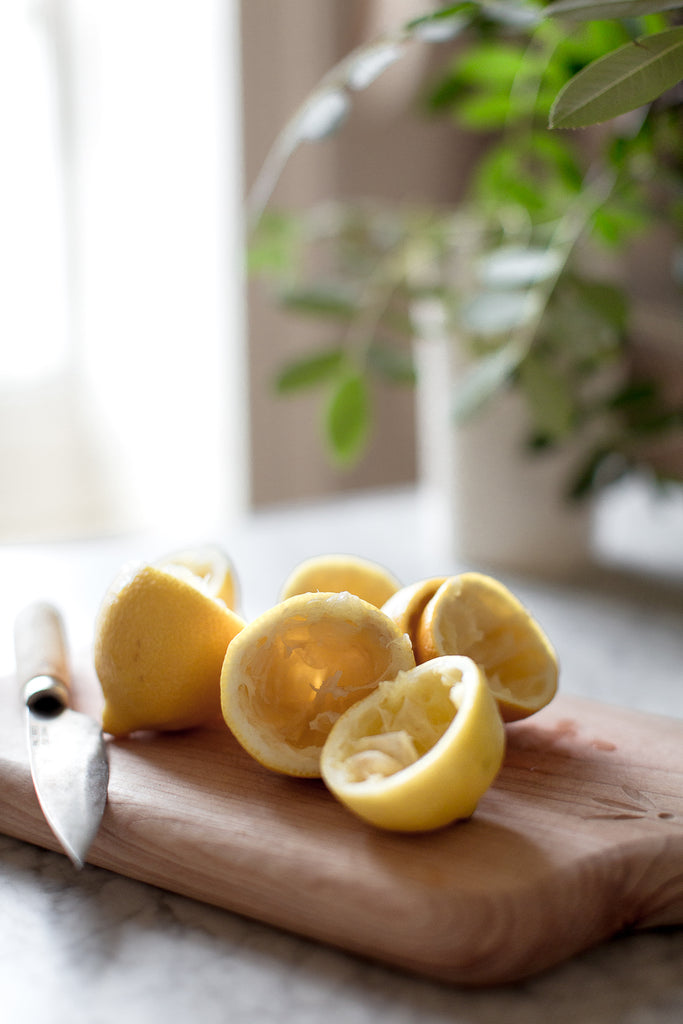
(121, 327)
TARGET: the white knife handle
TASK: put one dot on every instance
(42, 664)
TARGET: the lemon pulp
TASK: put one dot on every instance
(297, 667)
(420, 751)
(477, 616)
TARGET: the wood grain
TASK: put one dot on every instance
(580, 838)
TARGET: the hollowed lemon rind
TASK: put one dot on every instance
(499, 620)
(297, 666)
(208, 568)
(447, 781)
(408, 603)
(338, 573)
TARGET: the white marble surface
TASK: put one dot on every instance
(95, 947)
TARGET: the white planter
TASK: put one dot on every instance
(490, 502)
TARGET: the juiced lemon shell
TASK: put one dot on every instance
(160, 641)
(291, 672)
(420, 751)
(209, 564)
(475, 615)
(339, 572)
(407, 604)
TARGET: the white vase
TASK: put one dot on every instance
(490, 502)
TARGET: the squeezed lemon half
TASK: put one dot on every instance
(477, 616)
(291, 672)
(420, 751)
(407, 604)
(160, 641)
(335, 573)
(211, 568)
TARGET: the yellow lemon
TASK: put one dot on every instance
(291, 672)
(160, 641)
(476, 615)
(405, 607)
(336, 573)
(420, 751)
(211, 565)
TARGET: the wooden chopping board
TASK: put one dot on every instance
(580, 837)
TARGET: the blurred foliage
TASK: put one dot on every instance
(507, 268)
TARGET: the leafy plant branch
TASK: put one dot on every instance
(533, 206)
(596, 94)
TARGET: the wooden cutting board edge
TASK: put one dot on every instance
(506, 932)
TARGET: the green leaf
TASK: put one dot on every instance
(603, 467)
(643, 410)
(583, 331)
(555, 155)
(493, 66)
(322, 114)
(617, 222)
(489, 313)
(500, 175)
(516, 15)
(391, 364)
(483, 113)
(605, 300)
(623, 80)
(588, 10)
(319, 300)
(443, 94)
(347, 419)
(540, 178)
(309, 371)
(635, 395)
(590, 40)
(368, 64)
(516, 266)
(549, 398)
(444, 24)
(274, 247)
(486, 377)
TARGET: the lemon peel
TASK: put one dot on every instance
(420, 751)
(210, 569)
(407, 604)
(478, 616)
(290, 673)
(159, 646)
(340, 572)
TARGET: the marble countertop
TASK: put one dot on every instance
(95, 947)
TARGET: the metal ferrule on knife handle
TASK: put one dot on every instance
(67, 754)
(42, 665)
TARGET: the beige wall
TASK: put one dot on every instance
(383, 150)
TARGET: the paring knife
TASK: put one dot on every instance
(68, 755)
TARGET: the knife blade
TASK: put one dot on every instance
(67, 752)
